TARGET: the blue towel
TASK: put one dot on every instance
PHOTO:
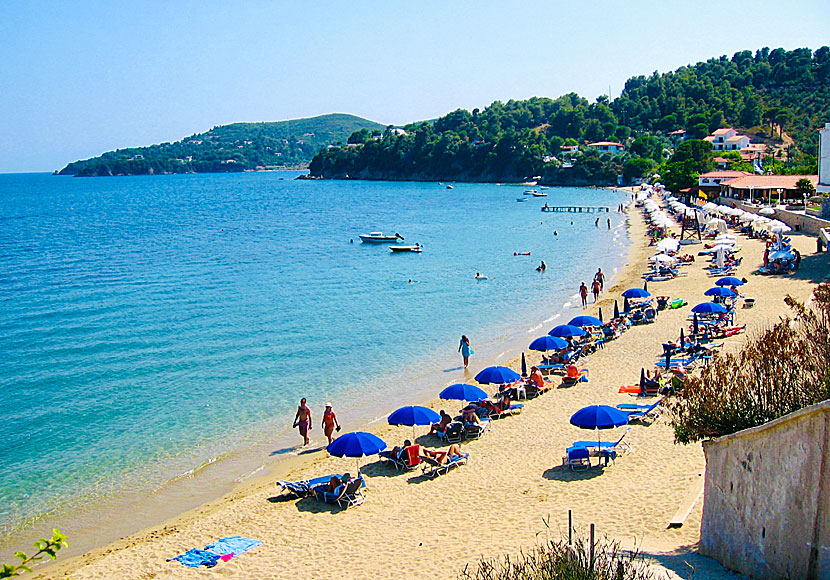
(194, 558)
(232, 545)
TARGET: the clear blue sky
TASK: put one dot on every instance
(81, 78)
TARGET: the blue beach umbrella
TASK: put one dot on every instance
(709, 308)
(548, 342)
(585, 321)
(729, 281)
(498, 376)
(781, 255)
(720, 291)
(636, 293)
(463, 392)
(414, 415)
(599, 417)
(567, 331)
(358, 444)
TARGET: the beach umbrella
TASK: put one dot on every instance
(780, 229)
(496, 375)
(548, 342)
(694, 324)
(524, 364)
(412, 416)
(668, 245)
(663, 258)
(585, 320)
(709, 308)
(599, 314)
(767, 211)
(720, 291)
(616, 309)
(597, 417)
(626, 306)
(358, 444)
(566, 331)
(636, 293)
(463, 392)
(729, 281)
(781, 255)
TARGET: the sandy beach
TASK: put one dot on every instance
(514, 489)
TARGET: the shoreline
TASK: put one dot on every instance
(219, 478)
(506, 479)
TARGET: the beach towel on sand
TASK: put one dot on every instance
(232, 545)
(194, 558)
(222, 549)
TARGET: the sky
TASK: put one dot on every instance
(80, 78)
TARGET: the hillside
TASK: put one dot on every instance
(766, 92)
(230, 148)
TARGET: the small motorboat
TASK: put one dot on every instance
(539, 194)
(521, 199)
(379, 238)
(417, 248)
(450, 187)
(529, 192)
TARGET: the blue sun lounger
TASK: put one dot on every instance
(618, 445)
(303, 487)
(638, 412)
(433, 469)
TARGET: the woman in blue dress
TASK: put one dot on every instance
(464, 349)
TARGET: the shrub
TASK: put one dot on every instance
(784, 368)
(44, 546)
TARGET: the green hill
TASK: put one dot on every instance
(230, 148)
(513, 141)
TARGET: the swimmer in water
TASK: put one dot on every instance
(542, 267)
(480, 277)
(555, 233)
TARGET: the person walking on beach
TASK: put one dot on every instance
(464, 349)
(599, 276)
(302, 420)
(330, 422)
(595, 289)
(583, 292)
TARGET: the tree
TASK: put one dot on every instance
(45, 547)
(689, 160)
(805, 187)
(637, 167)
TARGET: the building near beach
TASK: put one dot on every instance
(758, 188)
(607, 146)
(824, 160)
(727, 139)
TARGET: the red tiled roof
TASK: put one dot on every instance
(609, 143)
(768, 181)
(729, 174)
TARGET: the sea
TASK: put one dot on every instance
(157, 332)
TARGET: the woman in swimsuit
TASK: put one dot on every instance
(330, 422)
(443, 457)
(465, 350)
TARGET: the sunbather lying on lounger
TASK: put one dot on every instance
(469, 415)
(333, 484)
(400, 452)
(442, 425)
(444, 457)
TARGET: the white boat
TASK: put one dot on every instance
(450, 187)
(530, 192)
(521, 199)
(416, 248)
(539, 194)
(379, 238)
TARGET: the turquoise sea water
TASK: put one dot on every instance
(151, 326)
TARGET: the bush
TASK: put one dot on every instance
(559, 561)
(783, 369)
(45, 547)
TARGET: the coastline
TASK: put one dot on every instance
(399, 512)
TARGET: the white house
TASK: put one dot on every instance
(566, 149)
(727, 140)
(713, 179)
(824, 160)
(608, 146)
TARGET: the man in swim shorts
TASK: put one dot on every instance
(303, 420)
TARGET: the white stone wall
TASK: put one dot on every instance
(766, 506)
(824, 159)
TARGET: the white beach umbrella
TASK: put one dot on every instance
(663, 258)
(767, 211)
(783, 229)
(668, 245)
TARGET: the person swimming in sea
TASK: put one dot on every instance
(478, 276)
(542, 267)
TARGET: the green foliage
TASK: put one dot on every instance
(805, 186)
(780, 371)
(48, 547)
(637, 167)
(556, 560)
(689, 160)
(231, 148)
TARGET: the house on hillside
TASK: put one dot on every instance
(721, 163)
(607, 146)
(569, 149)
(678, 135)
(727, 140)
(710, 182)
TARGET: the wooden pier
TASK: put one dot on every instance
(577, 208)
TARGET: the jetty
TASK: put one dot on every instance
(577, 208)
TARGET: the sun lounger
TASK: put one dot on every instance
(303, 487)
(578, 458)
(432, 469)
(406, 462)
(619, 445)
(348, 494)
(640, 412)
(453, 434)
(475, 430)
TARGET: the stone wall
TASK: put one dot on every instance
(766, 509)
(798, 221)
